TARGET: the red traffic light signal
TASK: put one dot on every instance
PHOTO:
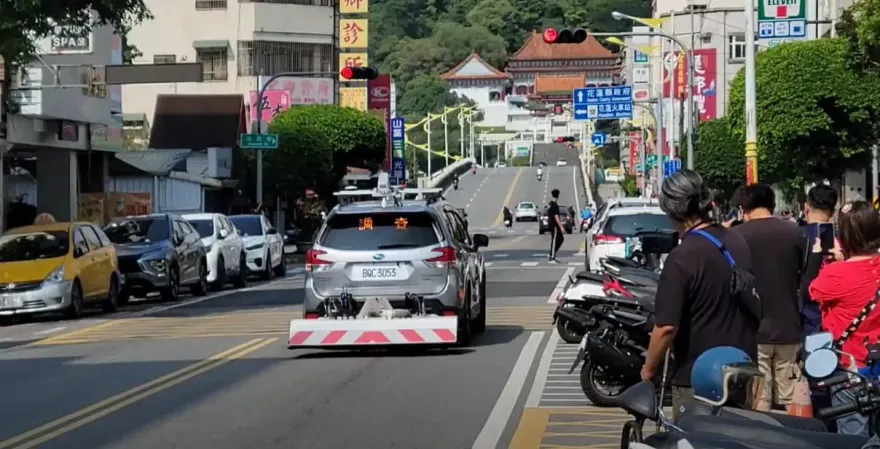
(565, 36)
(359, 73)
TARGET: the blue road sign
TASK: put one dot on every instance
(671, 166)
(398, 153)
(598, 139)
(599, 103)
(639, 57)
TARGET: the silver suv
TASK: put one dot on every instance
(395, 251)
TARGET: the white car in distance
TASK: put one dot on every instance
(227, 261)
(561, 163)
(263, 245)
(526, 210)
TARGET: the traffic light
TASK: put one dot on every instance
(565, 139)
(565, 36)
(359, 73)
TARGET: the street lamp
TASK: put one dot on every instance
(654, 24)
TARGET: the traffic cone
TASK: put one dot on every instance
(800, 400)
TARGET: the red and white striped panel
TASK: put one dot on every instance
(328, 332)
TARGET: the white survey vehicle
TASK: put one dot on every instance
(609, 238)
(224, 249)
(263, 245)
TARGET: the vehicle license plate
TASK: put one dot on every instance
(377, 273)
(10, 301)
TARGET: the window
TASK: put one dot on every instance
(204, 227)
(35, 245)
(202, 5)
(144, 229)
(736, 47)
(102, 237)
(164, 59)
(214, 63)
(91, 238)
(79, 242)
(271, 57)
(249, 225)
(379, 231)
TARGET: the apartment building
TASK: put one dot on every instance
(236, 40)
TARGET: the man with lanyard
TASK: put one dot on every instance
(555, 225)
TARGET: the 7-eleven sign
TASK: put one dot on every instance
(781, 9)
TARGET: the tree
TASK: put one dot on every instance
(721, 161)
(500, 18)
(317, 144)
(816, 117)
(425, 93)
(596, 14)
(860, 26)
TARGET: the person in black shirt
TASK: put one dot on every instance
(819, 207)
(555, 225)
(694, 309)
(777, 248)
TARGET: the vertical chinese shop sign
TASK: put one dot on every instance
(379, 99)
(635, 141)
(398, 155)
(705, 79)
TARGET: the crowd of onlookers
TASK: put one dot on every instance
(803, 278)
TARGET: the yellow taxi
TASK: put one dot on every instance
(58, 267)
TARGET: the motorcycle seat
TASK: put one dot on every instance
(638, 276)
(621, 262)
(676, 440)
(589, 276)
(757, 432)
(639, 400)
(774, 419)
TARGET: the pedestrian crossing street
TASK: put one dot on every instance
(258, 324)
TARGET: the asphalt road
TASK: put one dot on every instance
(215, 371)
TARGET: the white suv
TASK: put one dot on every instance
(227, 261)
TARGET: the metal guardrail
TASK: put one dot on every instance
(445, 176)
(589, 184)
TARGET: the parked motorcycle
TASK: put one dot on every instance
(760, 430)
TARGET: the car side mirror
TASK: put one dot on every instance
(481, 240)
(223, 234)
(272, 231)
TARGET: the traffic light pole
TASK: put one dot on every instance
(690, 90)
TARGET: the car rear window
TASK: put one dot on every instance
(367, 232)
(628, 225)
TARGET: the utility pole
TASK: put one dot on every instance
(751, 101)
(428, 132)
(445, 137)
(875, 173)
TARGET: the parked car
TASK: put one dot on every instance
(227, 260)
(263, 245)
(525, 210)
(159, 253)
(620, 224)
(60, 267)
(564, 216)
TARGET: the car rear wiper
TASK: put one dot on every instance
(397, 246)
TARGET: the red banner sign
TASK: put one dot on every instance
(379, 97)
(705, 79)
(635, 142)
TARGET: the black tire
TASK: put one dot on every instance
(240, 281)
(172, 291)
(124, 297)
(77, 304)
(267, 267)
(479, 324)
(220, 280)
(200, 288)
(281, 270)
(567, 335)
(591, 376)
(631, 433)
(540, 231)
(111, 304)
(465, 330)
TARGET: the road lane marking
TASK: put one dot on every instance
(117, 402)
(529, 264)
(493, 429)
(500, 218)
(577, 200)
(501, 255)
(51, 331)
(560, 286)
(540, 381)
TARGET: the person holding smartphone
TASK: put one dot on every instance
(819, 208)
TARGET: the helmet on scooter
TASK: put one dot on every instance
(726, 376)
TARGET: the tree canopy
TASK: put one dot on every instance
(814, 113)
(721, 159)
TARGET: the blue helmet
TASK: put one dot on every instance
(726, 374)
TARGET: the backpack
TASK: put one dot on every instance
(742, 283)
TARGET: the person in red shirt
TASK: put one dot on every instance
(843, 288)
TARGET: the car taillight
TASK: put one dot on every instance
(313, 259)
(312, 316)
(602, 239)
(446, 257)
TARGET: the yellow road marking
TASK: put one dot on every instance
(117, 402)
(48, 341)
(530, 430)
(507, 198)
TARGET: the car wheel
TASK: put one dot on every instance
(172, 291)
(111, 304)
(281, 269)
(465, 331)
(75, 309)
(123, 297)
(267, 267)
(241, 280)
(220, 281)
(479, 325)
(200, 288)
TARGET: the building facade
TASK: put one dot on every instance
(477, 80)
(237, 41)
